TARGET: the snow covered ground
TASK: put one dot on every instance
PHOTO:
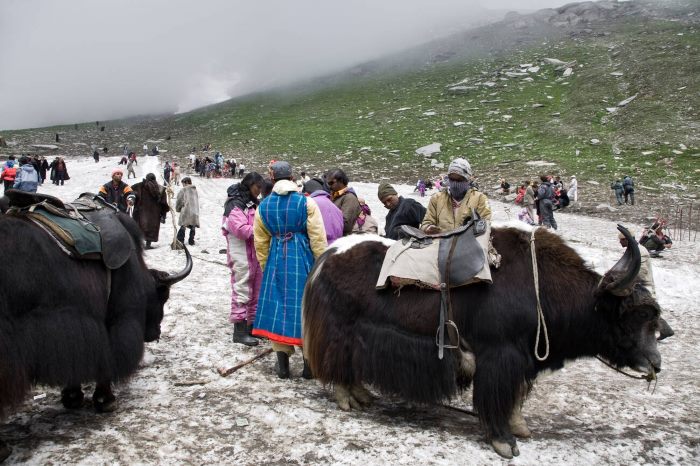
(178, 410)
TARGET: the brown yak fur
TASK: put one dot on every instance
(356, 334)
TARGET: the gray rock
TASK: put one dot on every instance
(461, 89)
(605, 207)
(429, 150)
(476, 140)
(627, 101)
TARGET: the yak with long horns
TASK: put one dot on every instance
(66, 321)
(355, 334)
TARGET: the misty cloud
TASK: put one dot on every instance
(78, 60)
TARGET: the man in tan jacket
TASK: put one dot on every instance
(450, 208)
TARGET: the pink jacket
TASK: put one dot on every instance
(238, 229)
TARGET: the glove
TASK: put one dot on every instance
(162, 219)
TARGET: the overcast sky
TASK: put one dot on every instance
(80, 60)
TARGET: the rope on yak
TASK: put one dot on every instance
(650, 377)
(541, 324)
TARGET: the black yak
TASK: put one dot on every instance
(65, 321)
(355, 334)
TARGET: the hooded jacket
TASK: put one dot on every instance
(27, 178)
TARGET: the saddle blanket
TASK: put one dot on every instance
(406, 265)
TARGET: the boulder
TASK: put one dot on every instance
(429, 150)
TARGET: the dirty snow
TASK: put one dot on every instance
(178, 410)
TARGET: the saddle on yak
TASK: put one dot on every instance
(439, 262)
(87, 228)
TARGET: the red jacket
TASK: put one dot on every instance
(9, 173)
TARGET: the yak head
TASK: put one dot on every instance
(632, 314)
(163, 282)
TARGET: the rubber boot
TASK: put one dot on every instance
(282, 365)
(240, 335)
(306, 372)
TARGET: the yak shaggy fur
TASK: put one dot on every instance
(355, 334)
(61, 323)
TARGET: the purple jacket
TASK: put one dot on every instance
(332, 215)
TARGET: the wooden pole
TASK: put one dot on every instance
(226, 372)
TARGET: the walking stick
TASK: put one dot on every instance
(226, 372)
(176, 244)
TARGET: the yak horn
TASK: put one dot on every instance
(627, 268)
(181, 275)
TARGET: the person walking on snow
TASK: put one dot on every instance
(187, 205)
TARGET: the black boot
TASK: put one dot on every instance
(148, 245)
(240, 335)
(306, 373)
(282, 366)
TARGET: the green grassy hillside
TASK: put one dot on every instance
(371, 119)
(373, 124)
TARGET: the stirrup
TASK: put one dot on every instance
(437, 336)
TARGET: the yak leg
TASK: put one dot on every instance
(500, 374)
(103, 399)
(517, 423)
(352, 397)
(72, 397)
(5, 451)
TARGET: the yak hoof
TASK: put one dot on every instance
(5, 451)
(505, 449)
(104, 401)
(72, 397)
(518, 426)
(362, 395)
(344, 398)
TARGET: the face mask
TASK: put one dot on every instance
(458, 189)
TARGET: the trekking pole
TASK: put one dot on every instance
(176, 243)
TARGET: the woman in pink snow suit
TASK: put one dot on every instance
(246, 275)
